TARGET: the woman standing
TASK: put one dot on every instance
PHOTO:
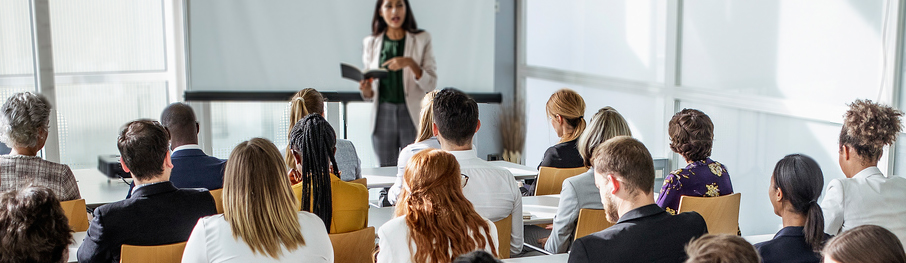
(405, 51)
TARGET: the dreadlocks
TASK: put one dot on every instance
(315, 141)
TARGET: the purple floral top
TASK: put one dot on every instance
(699, 178)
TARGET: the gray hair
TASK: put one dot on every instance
(25, 116)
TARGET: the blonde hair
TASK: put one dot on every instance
(303, 103)
(426, 117)
(258, 202)
(607, 123)
(570, 106)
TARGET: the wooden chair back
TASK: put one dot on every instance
(77, 214)
(550, 180)
(170, 253)
(354, 247)
(721, 213)
(218, 199)
(590, 221)
(504, 229)
(361, 181)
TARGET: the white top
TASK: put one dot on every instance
(395, 245)
(212, 241)
(868, 198)
(187, 147)
(405, 155)
(493, 192)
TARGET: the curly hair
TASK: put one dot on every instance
(691, 134)
(33, 226)
(868, 127)
(25, 116)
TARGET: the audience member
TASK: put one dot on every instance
(866, 196)
(492, 190)
(864, 244)
(425, 140)
(795, 187)
(643, 232)
(343, 206)
(157, 213)
(691, 135)
(258, 228)
(33, 226)
(477, 256)
(308, 101)
(434, 222)
(722, 249)
(565, 109)
(24, 128)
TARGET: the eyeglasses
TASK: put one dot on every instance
(464, 180)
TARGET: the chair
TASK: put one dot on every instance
(161, 253)
(721, 213)
(590, 221)
(77, 214)
(361, 181)
(218, 199)
(550, 180)
(504, 229)
(354, 247)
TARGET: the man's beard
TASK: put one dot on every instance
(610, 208)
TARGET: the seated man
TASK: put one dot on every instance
(643, 231)
(157, 213)
(492, 190)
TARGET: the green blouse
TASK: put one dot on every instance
(391, 88)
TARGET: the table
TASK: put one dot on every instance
(97, 189)
(758, 238)
(540, 259)
(520, 172)
(384, 177)
(542, 208)
(77, 238)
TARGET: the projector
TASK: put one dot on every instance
(109, 165)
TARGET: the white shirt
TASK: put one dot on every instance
(869, 197)
(395, 245)
(403, 160)
(212, 241)
(187, 147)
(493, 192)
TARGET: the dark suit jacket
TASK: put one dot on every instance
(645, 234)
(157, 214)
(788, 245)
(192, 168)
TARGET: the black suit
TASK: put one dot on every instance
(645, 234)
(156, 214)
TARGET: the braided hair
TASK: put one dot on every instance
(315, 141)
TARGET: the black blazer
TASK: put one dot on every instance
(788, 245)
(192, 168)
(645, 234)
(156, 214)
(562, 155)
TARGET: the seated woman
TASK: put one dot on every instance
(864, 244)
(579, 191)
(866, 196)
(795, 186)
(308, 101)
(435, 222)
(33, 226)
(342, 205)
(425, 140)
(565, 108)
(691, 135)
(23, 127)
(720, 249)
(259, 222)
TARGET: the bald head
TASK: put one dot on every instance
(180, 120)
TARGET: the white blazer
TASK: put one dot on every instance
(868, 198)
(418, 47)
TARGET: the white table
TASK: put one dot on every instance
(555, 258)
(758, 238)
(542, 208)
(520, 172)
(77, 238)
(377, 216)
(383, 177)
(97, 190)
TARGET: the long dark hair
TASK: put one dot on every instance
(314, 139)
(800, 180)
(378, 25)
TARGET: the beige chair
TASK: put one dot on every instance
(361, 181)
(218, 199)
(504, 229)
(550, 180)
(721, 213)
(354, 247)
(77, 214)
(152, 254)
(591, 221)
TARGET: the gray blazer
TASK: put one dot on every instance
(348, 161)
(578, 192)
